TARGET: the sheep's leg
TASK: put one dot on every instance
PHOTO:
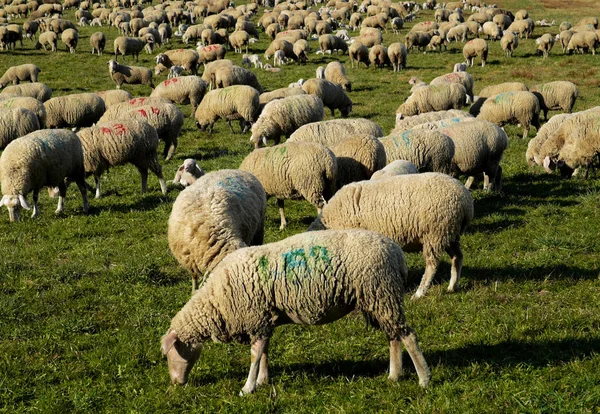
(469, 182)
(144, 174)
(97, 180)
(81, 184)
(263, 371)
(486, 182)
(170, 146)
(431, 265)
(525, 132)
(256, 353)
(62, 194)
(194, 283)
(36, 211)
(455, 253)
(230, 126)
(395, 360)
(281, 213)
(409, 339)
(157, 170)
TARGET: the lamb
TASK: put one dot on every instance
(359, 53)
(332, 95)
(509, 43)
(47, 39)
(429, 151)
(114, 96)
(16, 74)
(369, 280)
(132, 45)
(430, 210)
(231, 103)
(121, 74)
(279, 58)
(397, 24)
(219, 213)
(188, 173)
(357, 157)
(98, 42)
(463, 78)
(229, 75)
(478, 148)
(186, 58)
(520, 106)
(493, 90)
(74, 111)
(544, 44)
(398, 167)
(15, 123)
(398, 56)
(25, 102)
(404, 124)
(70, 38)
(182, 90)
(39, 159)
(558, 95)
(294, 170)
(473, 48)
(284, 116)
(113, 143)
(533, 155)
(334, 131)
(36, 90)
(433, 98)
(249, 60)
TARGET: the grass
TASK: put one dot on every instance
(84, 300)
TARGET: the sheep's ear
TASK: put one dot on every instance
(264, 141)
(24, 202)
(252, 138)
(4, 201)
(168, 341)
(178, 174)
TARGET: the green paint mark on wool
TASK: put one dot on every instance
(503, 97)
(405, 136)
(263, 269)
(297, 264)
(232, 185)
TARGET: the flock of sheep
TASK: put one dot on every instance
(373, 192)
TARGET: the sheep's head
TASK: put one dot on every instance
(112, 66)
(180, 356)
(14, 203)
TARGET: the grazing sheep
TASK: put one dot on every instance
(238, 102)
(36, 90)
(130, 75)
(493, 90)
(17, 74)
(398, 167)
(473, 48)
(492, 31)
(119, 110)
(370, 37)
(336, 73)
(284, 116)
(333, 131)
(74, 111)
(238, 40)
(478, 148)
(443, 123)
(293, 277)
(520, 27)
(558, 95)
(512, 107)
(429, 151)
(417, 39)
(186, 58)
(460, 67)
(47, 39)
(357, 157)
(544, 44)
(320, 72)
(188, 173)
(294, 170)
(398, 56)
(98, 42)
(301, 50)
(404, 124)
(280, 44)
(462, 78)
(70, 38)
(25, 102)
(229, 75)
(182, 90)
(332, 95)
(457, 33)
(358, 53)
(433, 98)
(378, 56)
(565, 37)
(40, 159)
(533, 155)
(119, 142)
(430, 210)
(210, 53)
(397, 24)
(219, 213)
(114, 96)
(582, 41)
(132, 45)
(509, 43)
(16, 122)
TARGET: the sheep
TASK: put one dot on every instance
(114, 96)
(25, 102)
(475, 47)
(492, 31)
(429, 151)
(218, 213)
(121, 74)
(132, 45)
(433, 98)
(502, 21)
(229, 75)
(175, 71)
(294, 170)
(357, 157)
(119, 110)
(238, 40)
(36, 90)
(509, 43)
(520, 106)
(582, 41)
(284, 116)
(47, 39)
(533, 148)
(98, 42)
(182, 90)
(249, 60)
(443, 123)
(358, 53)
(378, 56)
(404, 124)
(462, 78)
(17, 74)
(565, 37)
(420, 40)
(544, 44)
(457, 33)
(39, 159)
(210, 53)
(113, 143)
(279, 58)
(521, 27)
(398, 56)
(333, 131)
(193, 33)
(70, 38)
(564, 26)
(188, 173)
(74, 111)
(521, 15)
(593, 21)
(558, 95)
(398, 167)
(437, 42)
(332, 95)
(460, 67)
(430, 210)
(16, 122)
(183, 57)
(370, 37)
(492, 90)
(397, 24)
(280, 44)
(369, 280)
(301, 50)
(320, 72)
(280, 93)
(238, 102)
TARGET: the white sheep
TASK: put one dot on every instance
(47, 40)
(336, 73)
(75, 111)
(132, 45)
(473, 48)
(357, 157)
(404, 124)
(532, 154)
(332, 95)
(557, 95)
(25, 102)
(249, 60)
(219, 213)
(70, 38)
(112, 143)
(16, 122)
(430, 210)
(294, 278)
(238, 102)
(463, 78)
(509, 43)
(129, 74)
(492, 90)
(398, 56)
(43, 158)
(182, 90)
(36, 90)
(335, 130)
(512, 107)
(294, 170)
(186, 58)
(16, 74)
(188, 173)
(175, 71)
(279, 58)
(98, 42)
(544, 44)
(398, 167)
(433, 98)
(119, 108)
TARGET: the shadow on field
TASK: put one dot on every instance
(540, 273)
(147, 203)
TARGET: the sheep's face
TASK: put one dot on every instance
(181, 357)
(112, 66)
(14, 203)
(201, 125)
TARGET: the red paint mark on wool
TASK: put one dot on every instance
(119, 129)
(155, 111)
(143, 113)
(105, 130)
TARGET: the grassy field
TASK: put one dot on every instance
(84, 299)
